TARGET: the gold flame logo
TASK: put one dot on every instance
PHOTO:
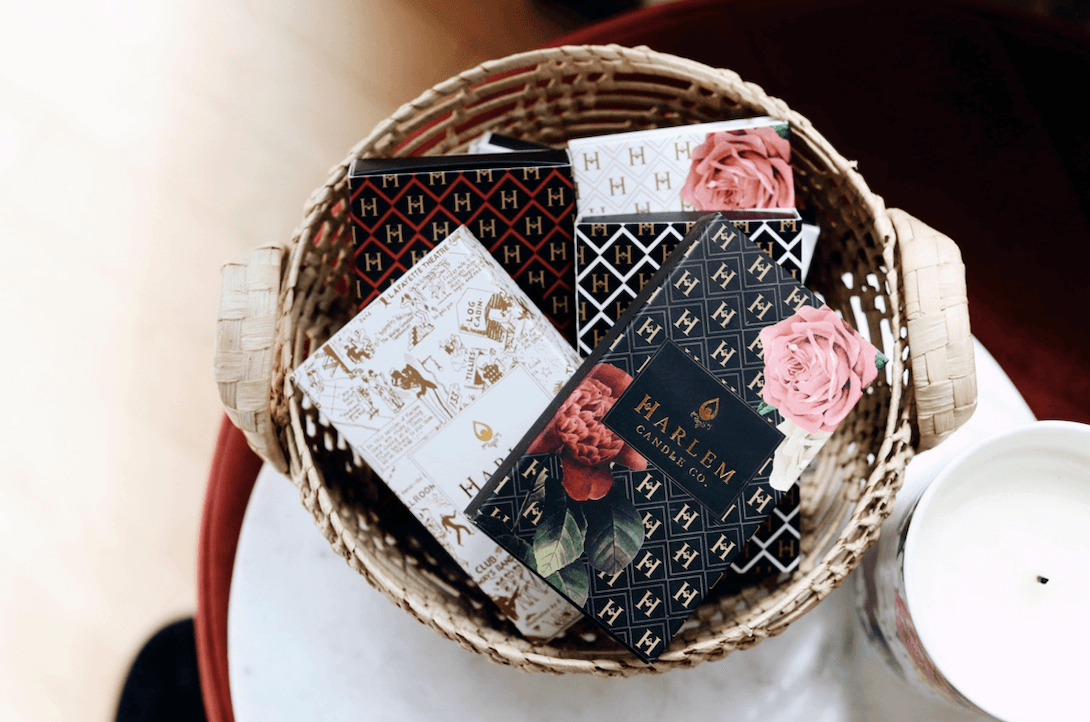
(483, 431)
(709, 409)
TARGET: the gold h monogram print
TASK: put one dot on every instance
(685, 594)
(648, 603)
(650, 525)
(622, 255)
(648, 642)
(686, 555)
(649, 564)
(439, 231)
(486, 230)
(610, 612)
(648, 486)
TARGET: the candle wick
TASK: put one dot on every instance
(1042, 580)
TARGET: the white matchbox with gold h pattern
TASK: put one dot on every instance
(642, 171)
(432, 384)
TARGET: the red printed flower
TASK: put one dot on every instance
(586, 446)
(737, 169)
(816, 367)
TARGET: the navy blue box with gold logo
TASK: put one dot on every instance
(663, 455)
(615, 256)
(520, 205)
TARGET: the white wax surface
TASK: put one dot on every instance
(1016, 509)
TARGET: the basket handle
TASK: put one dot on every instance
(937, 310)
(245, 332)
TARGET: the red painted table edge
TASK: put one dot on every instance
(231, 479)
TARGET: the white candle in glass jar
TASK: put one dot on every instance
(996, 565)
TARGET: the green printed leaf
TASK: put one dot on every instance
(499, 531)
(558, 540)
(492, 525)
(614, 531)
(765, 409)
(519, 549)
(573, 581)
(880, 360)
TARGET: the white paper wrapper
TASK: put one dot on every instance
(432, 384)
(642, 171)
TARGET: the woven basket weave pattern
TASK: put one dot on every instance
(550, 96)
(244, 347)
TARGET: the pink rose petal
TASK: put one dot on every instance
(816, 368)
(747, 168)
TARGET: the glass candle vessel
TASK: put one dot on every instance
(979, 588)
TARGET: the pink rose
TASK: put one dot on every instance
(738, 169)
(816, 367)
(586, 445)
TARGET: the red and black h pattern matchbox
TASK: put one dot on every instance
(521, 206)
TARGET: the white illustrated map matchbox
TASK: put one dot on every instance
(433, 383)
(642, 171)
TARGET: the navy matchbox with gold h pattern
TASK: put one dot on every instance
(520, 205)
(615, 256)
(641, 484)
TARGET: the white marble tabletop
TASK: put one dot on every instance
(308, 638)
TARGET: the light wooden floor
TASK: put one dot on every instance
(143, 144)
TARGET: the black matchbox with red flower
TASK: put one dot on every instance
(615, 256)
(668, 449)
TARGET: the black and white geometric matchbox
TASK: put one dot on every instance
(615, 256)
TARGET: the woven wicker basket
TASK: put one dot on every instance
(281, 306)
